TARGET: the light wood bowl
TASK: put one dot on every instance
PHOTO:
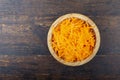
(80, 16)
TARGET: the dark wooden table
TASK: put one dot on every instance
(23, 47)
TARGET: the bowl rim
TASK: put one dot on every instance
(80, 16)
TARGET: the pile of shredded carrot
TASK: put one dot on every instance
(73, 39)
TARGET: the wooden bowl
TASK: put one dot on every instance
(82, 17)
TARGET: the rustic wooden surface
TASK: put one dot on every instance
(23, 32)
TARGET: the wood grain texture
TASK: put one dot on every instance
(33, 67)
(24, 24)
(23, 47)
